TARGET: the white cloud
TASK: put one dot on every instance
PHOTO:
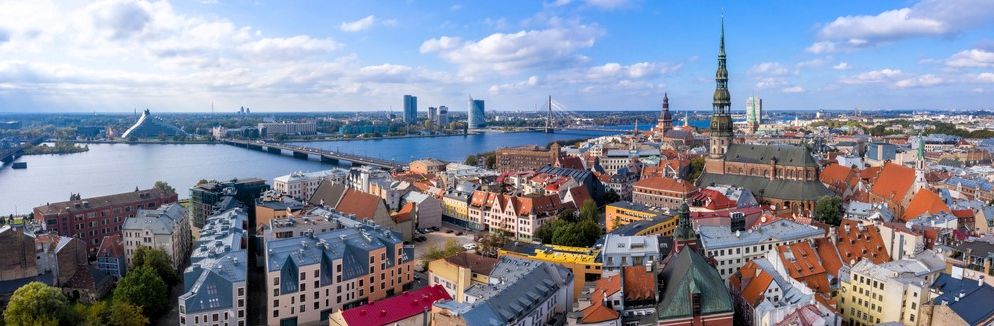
(919, 81)
(842, 66)
(987, 77)
(813, 63)
(926, 18)
(290, 47)
(768, 68)
(639, 70)
(608, 4)
(873, 76)
(793, 89)
(973, 58)
(513, 87)
(358, 25)
(506, 53)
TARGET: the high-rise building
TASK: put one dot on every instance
(432, 114)
(443, 116)
(215, 282)
(721, 118)
(410, 109)
(754, 113)
(477, 117)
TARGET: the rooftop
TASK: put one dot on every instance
(396, 308)
(720, 237)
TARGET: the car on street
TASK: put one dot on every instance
(469, 246)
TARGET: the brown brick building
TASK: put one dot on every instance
(17, 259)
(90, 219)
(526, 158)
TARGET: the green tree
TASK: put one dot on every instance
(696, 168)
(471, 160)
(158, 260)
(142, 287)
(610, 196)
(547, 230)
(589, 232)
(491, 243)
(124, 314)
(566, 234)
(36, 304)
(103, 313)
(589, 211)
(491, 160)
(164, 186)
(567, 215)
(828, 210)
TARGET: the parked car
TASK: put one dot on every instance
(448, 231)
(469, 246)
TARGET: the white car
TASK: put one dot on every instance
(469, 246)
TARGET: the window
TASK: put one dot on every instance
(241, 292)
(303, 276)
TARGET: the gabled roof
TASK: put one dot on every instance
(328, 193)
(396, 308)
(925, 202)
(597, 312)
(685, 275)
(476, 263)
(756, 280)
(786, 155)
(666, 184)
(894, 182)
(802, 263)
(363, 205)
(856, 241)
(639, 283)
(111, 246)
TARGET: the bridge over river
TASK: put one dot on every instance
(303, 152)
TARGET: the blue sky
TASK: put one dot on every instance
(116, 55)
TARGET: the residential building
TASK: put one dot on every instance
(111, 256)
(526, 158)
(895, 187)
(627, 297)
(477, 115)
(410, 109)
(274, 205)
(362, 206)
(895, 291)
(766, 295)
(879, 153)
(426, 166)
(407, 309)
(519, 216)
(149, 126)
(426, 209)
(287, 128)
(458, 273)
(309, 278)
(621, 251)
(90, 219)
(17, 260)
(953, 301)
(582, 261)
(432, 115)
(901, 242)
(211, 197)
(166, 228)
(732, 249)
(301, 185)
(520, 292)
(455, 208)
(214, 285)
(662, 192)
(443, 116)
(625, 212)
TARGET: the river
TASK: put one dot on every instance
(114, 168)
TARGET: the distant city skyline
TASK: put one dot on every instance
(114, 56)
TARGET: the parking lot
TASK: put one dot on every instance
(438, 239)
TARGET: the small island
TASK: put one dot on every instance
(58, 148)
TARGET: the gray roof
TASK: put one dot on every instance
(516, 289)
(162, 220)
(787, 155)
(687, 274)
(221, 233)
(351, 244)
(721, 236)
(218, 263)
(328, 193)
(766, 188)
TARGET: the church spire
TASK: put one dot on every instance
(721, 118)
(665, 123)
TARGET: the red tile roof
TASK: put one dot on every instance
(396, 308)
(857, 242)
(803, 264)
(361, 204)
(894, 182)
(476, 263)
(754, 282)
(924, 202)
(597, 312)
(838, 178)
(639, 284)
(111, 246)
(666, 184)
(829, 256)
(712, 199)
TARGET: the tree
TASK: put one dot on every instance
(471, 160)
(142, 287)
(158, 260)
(164, 186)
(491, 160)
(547, 230)
(123, 314)
(589, 211)
(828, 209)
(492, 242)
(696, 168)
(113, 314)
(567, 215)
(610, 196)
(36, 304)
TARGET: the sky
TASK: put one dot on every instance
(119, 55)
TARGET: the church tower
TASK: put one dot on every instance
(721, 118)
(665, 123)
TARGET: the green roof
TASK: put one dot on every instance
(766, 188)
(686, 274)
(786, 155)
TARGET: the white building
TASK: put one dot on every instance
(301, 185)
(733, 249)
(890, 292)
(427, 209)
(166, 227)
(215, 281)
(270, 129)
(620, 251)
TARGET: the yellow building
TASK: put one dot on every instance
(655, 221)
(457, 273)
(890, 292)
(582, 261)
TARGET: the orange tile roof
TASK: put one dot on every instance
(361, 204)
(838, 177)
(404, 213)
(639, 284)
(894, 182)
(755, 281)
(924, 202)
(856, 242)
(829, 256)
(803, 264)
(667, 184)
(597, 312)
(870, 173)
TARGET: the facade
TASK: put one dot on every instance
(311, 277)
(90, 219)
(149, 126)
(426, 209)
(214, 285)
(520, 292)
(477, 117)
(662, 192)
(526, 158)
(407, 309)
(443, 116)
(426, 166)
(111, 258)
(519, 216)
(301, 185)
(273, 129)
(166, 228)
(621, 251)
(17, 260)
(207, 197)
(870, 294)
(410, 109)
(732, 249)
(458, 273)
(754, 113)
(362, 206)
(432, 115)
(879, 153)
(624, 212)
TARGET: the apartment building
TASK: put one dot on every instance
(166, 228)
(301, 185)
(215, 282)
(458, 273)
(732, 249)
(871, 294)
(662, 192)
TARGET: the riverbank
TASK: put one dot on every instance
(57, 149)
(146, 142)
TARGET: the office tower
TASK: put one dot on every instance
(754, 113)
(443, 116)
(477, 117)
(410, 109)
(432, 114)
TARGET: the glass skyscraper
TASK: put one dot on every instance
(410, 109)
(477, 114)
